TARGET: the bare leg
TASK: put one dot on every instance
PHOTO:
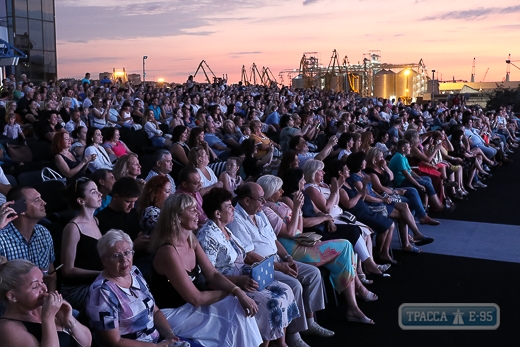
(350, 296)
(436, 204)
(406, 217)
(383, 244)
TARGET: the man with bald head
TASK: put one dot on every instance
(255, 232)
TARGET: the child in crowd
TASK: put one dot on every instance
(230, 178)
(246, 132)
(13, 130)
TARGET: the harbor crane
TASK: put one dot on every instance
(201, 67)
(509, 62)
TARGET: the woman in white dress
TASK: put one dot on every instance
(214, 318)
(94, 146)
(198, 158)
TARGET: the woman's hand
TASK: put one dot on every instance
(331, 227)
(248, 304)
(64, 315)
(298, 200)
(334, 184)
(387, 200)
(247, 284)
(51, 305)
(7, 214)
(168, 342)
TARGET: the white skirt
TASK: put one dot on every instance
(223, 323)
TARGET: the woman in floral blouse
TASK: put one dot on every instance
(276, 304)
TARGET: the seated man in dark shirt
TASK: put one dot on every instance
(121, 214)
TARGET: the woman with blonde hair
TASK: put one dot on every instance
(34, 317)
(211, 317)
(127, 165)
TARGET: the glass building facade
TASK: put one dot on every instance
(31, 28)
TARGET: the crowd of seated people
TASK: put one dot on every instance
(216, 179)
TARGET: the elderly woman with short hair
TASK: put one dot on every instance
(276, 303)
(336, 255)
(120, 307)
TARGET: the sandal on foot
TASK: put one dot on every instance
(429, 221)
(369, 297)
(412, 250)
(384, 267)
(364, 320)
(363, 278)
(424, 241)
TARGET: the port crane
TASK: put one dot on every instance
(509, 62)
(203, 66)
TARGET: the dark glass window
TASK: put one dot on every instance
(36, 65)
(23, 66)
(49, 39)
(50, 66)
(35, 9)
(36, 33)
(48, 9)
(3, 13)
(20, 8)
(9, 7)
(21, 32)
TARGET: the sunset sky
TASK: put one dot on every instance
(98, 35)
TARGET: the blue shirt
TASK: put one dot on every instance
(156, 111)
(397, 164)
(212, 140)
(39, 250)
(274, 118)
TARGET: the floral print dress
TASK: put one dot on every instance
(276, 304)
(335, 255)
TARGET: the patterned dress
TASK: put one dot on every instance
(276, 304)
(336, 255)
(110, 306)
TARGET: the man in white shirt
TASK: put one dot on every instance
(253, 229)
(74, 122)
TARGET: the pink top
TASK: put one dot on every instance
(274, 211)
(119, 149)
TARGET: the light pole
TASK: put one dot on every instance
(144, 70)
(433, 87)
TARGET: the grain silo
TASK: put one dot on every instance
(385, 84)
